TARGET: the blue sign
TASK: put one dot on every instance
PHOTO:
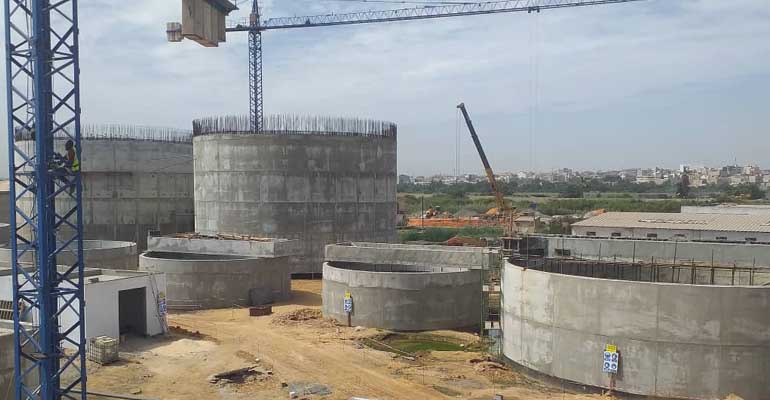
(348, 305)
(610, 362)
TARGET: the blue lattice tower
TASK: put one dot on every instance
(43, 99)
(256, 106)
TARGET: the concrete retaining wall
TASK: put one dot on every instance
(103, 254)
(320, 189)
(402, 301)
(740, 254)
(131, 187)
(679, 341)
(384, 253)
(218, 281)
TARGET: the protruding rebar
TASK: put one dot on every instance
(286, 124)
(120, 132)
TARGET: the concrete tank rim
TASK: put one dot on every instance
(214, 258)
(110, 244)
(327, 264)
(757, 287)
(88, 245)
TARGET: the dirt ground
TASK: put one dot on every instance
(312, 356)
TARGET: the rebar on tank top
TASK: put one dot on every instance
(287, 124)
(118, 132)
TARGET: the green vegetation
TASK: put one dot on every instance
(473, 205)
(576, 206)
(453, 204)
(444, 234)
(414, 343)
(606, 187)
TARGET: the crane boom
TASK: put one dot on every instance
(414, 13)
(487, 168)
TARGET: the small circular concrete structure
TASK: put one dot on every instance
(403, 297)
(135, 179)
(219, 281)
(320, 181)
(103, 254)
(675, 340)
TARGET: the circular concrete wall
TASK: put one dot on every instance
(104, 254)
(219, 281)
(675, 340)
(133, 186)
(403, 297)
(318, 188)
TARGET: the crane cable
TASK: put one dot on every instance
(534, 89)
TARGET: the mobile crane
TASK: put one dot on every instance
(503, 211)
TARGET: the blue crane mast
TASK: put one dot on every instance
(43, 100)
(43, 108)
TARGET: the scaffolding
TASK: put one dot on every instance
(491, 300)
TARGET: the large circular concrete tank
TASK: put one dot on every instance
(135, 179)
(321, 181)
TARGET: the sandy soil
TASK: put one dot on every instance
(286, 353)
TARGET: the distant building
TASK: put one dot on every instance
(404, 180)
(729, 209)
(673, 226)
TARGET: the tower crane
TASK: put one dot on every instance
(43, 103)
(255, 26)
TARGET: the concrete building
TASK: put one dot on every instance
(320, 181)
(135, 179)
(671, 226)
(405, 287)
(117, 302)
(218, 271)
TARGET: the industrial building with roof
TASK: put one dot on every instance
(673, 226)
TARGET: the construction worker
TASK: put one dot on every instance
(67, 165)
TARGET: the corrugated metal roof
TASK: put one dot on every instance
(695, 222)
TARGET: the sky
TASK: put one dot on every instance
(650, 83)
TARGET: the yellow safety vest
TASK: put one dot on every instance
(76, 163)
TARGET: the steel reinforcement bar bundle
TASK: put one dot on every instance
(119, 132)
(286, 124)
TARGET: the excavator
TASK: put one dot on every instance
(503, 211)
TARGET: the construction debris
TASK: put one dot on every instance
(241, 375)
(195, 235)
(308, 389)
(301, 315)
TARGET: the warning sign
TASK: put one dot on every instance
(611, 360)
